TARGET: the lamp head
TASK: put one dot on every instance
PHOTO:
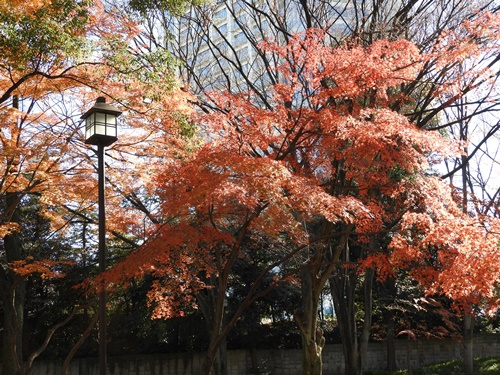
(101, 124)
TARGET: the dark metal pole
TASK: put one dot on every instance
(102, 262)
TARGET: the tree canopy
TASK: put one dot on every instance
(330, 161)
(56, 58)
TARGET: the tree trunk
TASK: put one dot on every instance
(206, 301)
(390, 341)
(306, 317)
(211, 303)
(468, 319)
(215, 361)
(312, 362)
(468, 344)
(342, 288)
(13, 306)
(222, 357)
(13, 295)
(208, 361)
(78, 344)
(388, 313)
(368, 313)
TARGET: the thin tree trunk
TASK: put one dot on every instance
(207, 301)
(34, 355)
(79, 343)
(13, 296)
(13, 304)
(368, 313)
(209, 361)
(342, 289)
(468, 319)
(306, 317)
(223, 357)
(390, 326)
(215, 361)
(468, 344)
(211, 304)
(390, 340)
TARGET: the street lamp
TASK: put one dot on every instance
(101, 131)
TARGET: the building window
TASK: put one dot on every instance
(222, 47)
(242, 54)
(239, 37)
(219, 31)
(241, 20)
(203, 56)
(220, 15)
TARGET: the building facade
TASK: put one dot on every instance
(218, 45)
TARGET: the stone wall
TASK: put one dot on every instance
(276, 362)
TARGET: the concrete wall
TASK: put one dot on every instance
(276, 362)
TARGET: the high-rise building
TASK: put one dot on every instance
(219, 44)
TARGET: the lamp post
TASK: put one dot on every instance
(101, 131)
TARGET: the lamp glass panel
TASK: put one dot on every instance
(100, 118)
(88, 127)
(111, 129)
(100, 128)
(110, 119)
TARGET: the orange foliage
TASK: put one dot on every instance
(448, 251)
(466, 45)
(330, 148)
(42, 145)
(43, 268)
(8, 228)
(27, 7)
(41, 142)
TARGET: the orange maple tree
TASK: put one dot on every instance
(56, 58)
(330, 163)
